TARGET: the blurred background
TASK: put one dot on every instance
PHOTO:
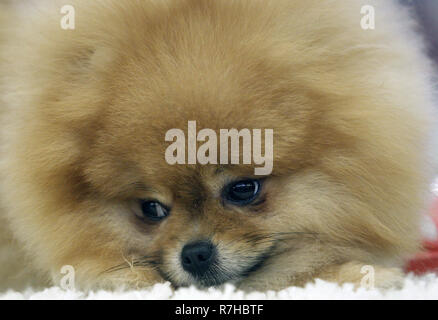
(428, 13)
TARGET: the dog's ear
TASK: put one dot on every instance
(78, 76)
(83, 63)
(78, 62)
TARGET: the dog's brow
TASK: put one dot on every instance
(143, 187)
(219, 170)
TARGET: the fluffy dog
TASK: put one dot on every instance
(84, 181)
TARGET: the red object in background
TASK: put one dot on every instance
(426, 261)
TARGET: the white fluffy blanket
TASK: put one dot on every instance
(425, 287)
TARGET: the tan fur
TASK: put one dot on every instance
(85, 112)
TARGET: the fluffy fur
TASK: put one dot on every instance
(85, 112)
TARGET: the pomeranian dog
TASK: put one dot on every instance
(87, 100)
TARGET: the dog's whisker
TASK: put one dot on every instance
(145, 261)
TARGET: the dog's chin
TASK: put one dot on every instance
(215, 281)
(209, 280)
(219, 276)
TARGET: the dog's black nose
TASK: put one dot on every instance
(197, 257)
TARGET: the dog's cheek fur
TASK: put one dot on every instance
(46, 208)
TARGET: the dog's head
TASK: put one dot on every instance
(203, 224)
(94, 189)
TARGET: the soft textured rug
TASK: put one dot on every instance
(425, 287)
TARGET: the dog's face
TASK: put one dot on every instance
(203, 224)
(89, 184)
(196, 224)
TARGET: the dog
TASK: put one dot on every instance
(85, 108)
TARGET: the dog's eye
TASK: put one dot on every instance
(242, 192)
(153, 210)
